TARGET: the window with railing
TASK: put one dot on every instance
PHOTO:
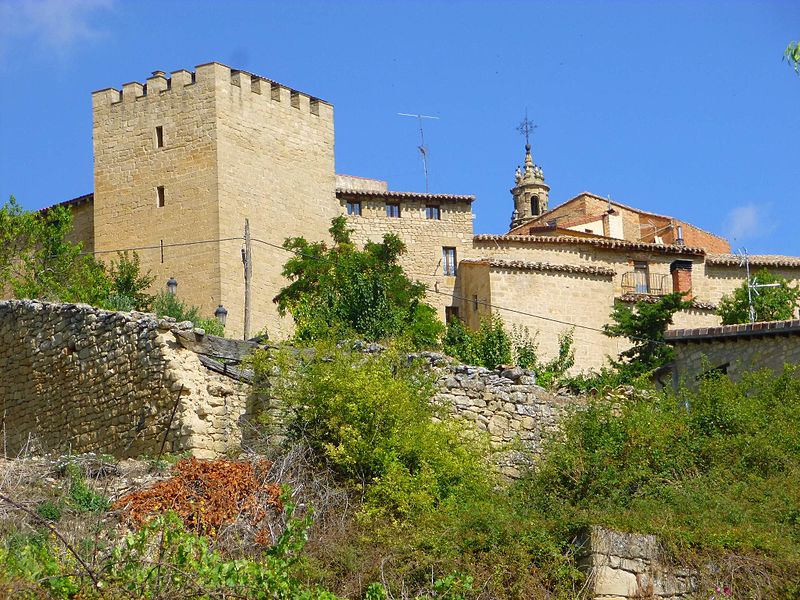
(641, 281)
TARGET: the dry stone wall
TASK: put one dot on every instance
(517, 414)
(82, 379)
(79, 379)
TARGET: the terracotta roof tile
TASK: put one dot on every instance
(734, 331)
(539, 266)
(757, 260)
(600, 242)
(404, 195)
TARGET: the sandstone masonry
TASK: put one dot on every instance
(79, 379)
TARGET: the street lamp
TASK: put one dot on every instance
(172, 285)
(221, 314)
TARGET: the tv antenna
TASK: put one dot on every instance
(752, 283)
(423, 149)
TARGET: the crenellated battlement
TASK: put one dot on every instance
(212, 75)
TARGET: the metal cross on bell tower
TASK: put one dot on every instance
(526, 128)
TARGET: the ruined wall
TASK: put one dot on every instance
(81, 379)
(424, 238)
(630, 565)
(516, 413)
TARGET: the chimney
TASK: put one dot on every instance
(682, 277)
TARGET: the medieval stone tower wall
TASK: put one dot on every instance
(187, 158)
(276, 168)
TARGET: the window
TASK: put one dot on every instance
(159, 137)
(354, 208)
(449, 261)
(450, 314)
(393, 210)
(160, 198)
(433, 212)
(475, 302)
(535, 205)
(294, 99)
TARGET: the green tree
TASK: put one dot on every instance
(644, 325)
(792, 55)
(770, 303)
(38, 261)
(341, 291)
(128, 284)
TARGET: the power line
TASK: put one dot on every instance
(452, 295)
(158, 247)
(481, 302)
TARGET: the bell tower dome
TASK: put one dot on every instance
(530, 192)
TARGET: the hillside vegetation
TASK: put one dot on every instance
(390, 498)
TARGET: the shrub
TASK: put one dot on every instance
(166, 304)
(370, 419)
(712, 468)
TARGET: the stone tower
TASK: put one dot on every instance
(181, 161)
(530, 192)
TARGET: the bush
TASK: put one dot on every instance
(710, 469)
(369, 418)
(344, 293)
(166, 304)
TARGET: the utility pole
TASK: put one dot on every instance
(247, 259)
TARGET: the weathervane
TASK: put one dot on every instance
(526, 128)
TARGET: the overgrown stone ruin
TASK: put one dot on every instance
(87, 380)
(79, 379)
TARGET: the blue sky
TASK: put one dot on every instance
(679, 108)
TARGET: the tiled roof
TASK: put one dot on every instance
(652, 299)
(600, 242)
(404, 195)
(734, 331)
(543, 216)
(757, 260)
(73, 202)
(539, 266)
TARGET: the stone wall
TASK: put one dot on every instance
(235, 146)
(629, 565)
(79, 379)
(733, 349)
(424, 238)
(508, 405)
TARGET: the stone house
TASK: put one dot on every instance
(730, 350)
(181, 161)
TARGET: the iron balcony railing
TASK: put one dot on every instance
(639, 282)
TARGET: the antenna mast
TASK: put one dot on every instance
(423, 149)
(752, 284)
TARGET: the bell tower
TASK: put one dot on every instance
(530, 192)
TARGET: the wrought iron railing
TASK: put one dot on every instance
(640, 282)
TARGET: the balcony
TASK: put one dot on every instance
(642, 282)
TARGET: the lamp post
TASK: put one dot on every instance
(221, 314)
(172, 285)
